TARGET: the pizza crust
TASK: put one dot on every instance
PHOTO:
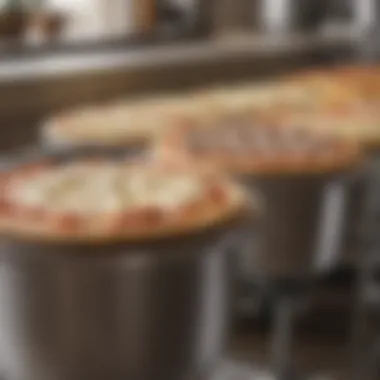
(29, 217)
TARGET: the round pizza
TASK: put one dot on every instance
(247, 144)
(338, 94)
(105, 200)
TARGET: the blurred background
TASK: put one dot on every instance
(55, 54)
(59, 53)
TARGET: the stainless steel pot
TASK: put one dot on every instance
(113, 312)
(368, 189)
(355, 209)
(302, 229)
(363, 205)
(154, 310)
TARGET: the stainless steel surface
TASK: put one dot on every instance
(285, 16)
(112, 312)
(366, 14)
(282, 337)
(200, 52)
(371, 213)
(267, 16)
(364, 323)
(302, 228)
(363, 209)
(156, 309)
(278, 16)
(351, 244)
(231, 370)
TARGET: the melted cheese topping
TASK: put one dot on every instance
(244, 144)
(259, 96)
(103, 188)
(143, 120)
(120, 121)
(104, 124)
(240, 136)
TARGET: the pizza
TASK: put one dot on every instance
(356, 82)
(354, 113)
(123, 123)
(359, 124)
(289, 94)
(260, 98)
(340, 93)
(247, 144)
(364, 79)
(105, 200)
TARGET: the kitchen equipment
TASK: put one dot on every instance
(365, 326)
(155, 309)
(138, 312)
(268, 16)
(302, 228)
(184, 17)
(231, 370)
(281, 16)
(351, 245)
(365, 14)
(298, 240)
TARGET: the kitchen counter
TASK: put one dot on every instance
(243, 46)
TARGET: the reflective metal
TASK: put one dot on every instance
(302, 228)
(281, 16)
(95, 312)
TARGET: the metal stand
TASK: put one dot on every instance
(365, 339)
(283, 337)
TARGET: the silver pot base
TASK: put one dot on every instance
(231, 370)
(302, 228)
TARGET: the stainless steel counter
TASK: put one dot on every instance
(244, 46)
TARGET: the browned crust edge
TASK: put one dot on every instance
(238, 205)
(53, 136)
